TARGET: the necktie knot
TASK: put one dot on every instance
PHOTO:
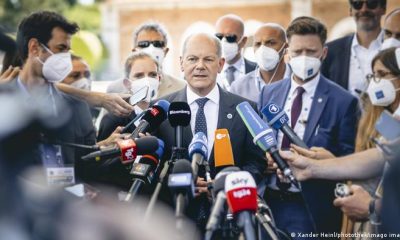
(201, 102)
(300, 91)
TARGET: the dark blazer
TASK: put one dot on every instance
(246, 155)
(332, 124)
(72, 125)
(110, 122)
(337, 63)
(249, 66)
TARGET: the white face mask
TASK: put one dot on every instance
(382, 93)
(267, 58)
(390, 42)
(56, 67)
(151, 83)
(82, 83)
(229, 50)
(305, 67)
(156, 53)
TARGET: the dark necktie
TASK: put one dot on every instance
(201, 123)
(230, 74)
(294, 114)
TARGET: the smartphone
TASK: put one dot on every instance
(388, 126)
(139, 95)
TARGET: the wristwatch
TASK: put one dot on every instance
(374, 217)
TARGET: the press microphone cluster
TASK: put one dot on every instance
(278, 119)
(263, 136)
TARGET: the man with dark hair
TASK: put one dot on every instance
(43, 42)
(322, 114)
(349, 58)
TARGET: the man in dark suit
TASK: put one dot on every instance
(201, 62)
(230, 30)
(349, 58)
(323, 115)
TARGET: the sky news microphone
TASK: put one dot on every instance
(241, 194)
(152, 118)
(198, 152)
(144, 170)
(218, 209)
(264, 137)
(181, 184)
(127, 150)
(223, 154)
(179, 116)
(278, 119)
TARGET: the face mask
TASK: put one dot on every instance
(56, 67)
(230, 50)
(267, 58)
(382, 93)
(156, 53)
(151, 83)
(305, 67)
(390, 42)
(82, 83)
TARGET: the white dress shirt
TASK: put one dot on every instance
(211, 109)
(240, 71)
(360, 63)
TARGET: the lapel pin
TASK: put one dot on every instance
(229, 116)
(320, 100)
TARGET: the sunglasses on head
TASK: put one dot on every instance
(145, 44)
(229, 38)
(371, 4)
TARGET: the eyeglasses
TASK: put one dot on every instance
(231, 38)
(78, 75)
(371, 4)
(145, 44)
(377, 77)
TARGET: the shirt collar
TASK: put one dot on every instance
(212, 96)
(375, 44)
(309, 87)
(239, 65)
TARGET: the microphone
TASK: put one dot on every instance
(127, 149)
(144, 170)
(198, 152)
(152, 118)
(220, 199)
(223, 154)
(264, 137)
(241, 193)
(181, 184)
(278, 119)
(179, 116)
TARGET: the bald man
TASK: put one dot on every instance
(391, 29)
(269, 48)
(230, 30)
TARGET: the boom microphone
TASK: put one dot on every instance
(143, 171)
(264, 137)
(241, 193)
(127, 149)
(198, 152)
(278, 119)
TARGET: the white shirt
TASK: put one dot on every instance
(307, 99)
(240, 71)
(360, 63)
(211, 109)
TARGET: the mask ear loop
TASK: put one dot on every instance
(279, 63)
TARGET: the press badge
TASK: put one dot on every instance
(60, 176)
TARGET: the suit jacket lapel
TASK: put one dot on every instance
(346, 54)
(318, 104)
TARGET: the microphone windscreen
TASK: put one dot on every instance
(241, 192)
(179, 114)
(198, 145)
(219, 182)
(275, 116)
(223, 154)
(164, 104)
(262, 134)
(146, 145)
(155, 116)
(182, 166)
